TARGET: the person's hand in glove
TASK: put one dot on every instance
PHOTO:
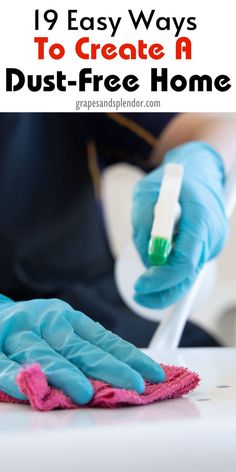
(201, 231)
(70, 348)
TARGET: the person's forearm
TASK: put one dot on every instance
(217, 129)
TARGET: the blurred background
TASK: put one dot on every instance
(218, 313)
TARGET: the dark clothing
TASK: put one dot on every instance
(52, 239)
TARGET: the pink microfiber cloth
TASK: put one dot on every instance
(34, 385)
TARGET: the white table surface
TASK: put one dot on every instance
(194, 433)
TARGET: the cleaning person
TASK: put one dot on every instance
(56, 276)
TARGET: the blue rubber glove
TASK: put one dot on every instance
(201, 231)
(70, 347)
